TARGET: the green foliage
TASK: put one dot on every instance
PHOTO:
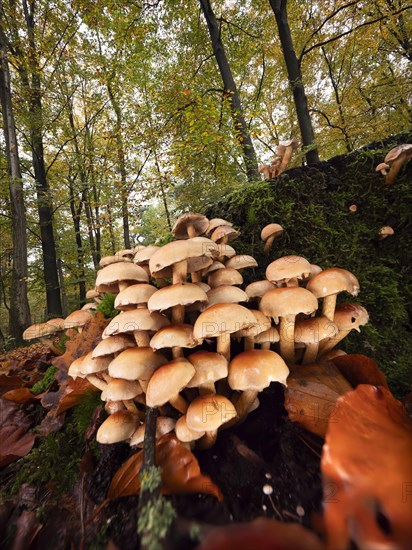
(106, 306)
(45, 383)
(312, 205)
(154, 522)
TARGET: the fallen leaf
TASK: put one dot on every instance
(27, 528)
(10, 382)
(180, 472)
(311, 394)
(10, 413)
(366, 466)
(360, 369)
(262, 533)
(73, 393)
(80, 344)
(21, 396)
(15, 442)
(50, 424)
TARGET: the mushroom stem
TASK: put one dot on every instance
(179, 403)
(244, 403)
(329, 343)
(249, 343)
(311, 353)
(223, 345)
(130, 406)
(96, 381)
(180, 272)
(265, 345)
(123, 285)
(178, 314)
(292, 282)
(196, 277)
(50, 345)
(106, 377)
(191, 231)
(394, 170)
(207, 388)
(268, 244)
(328, 307)
(287, 342)
(142, 338)
(177, 352)
(208, 440)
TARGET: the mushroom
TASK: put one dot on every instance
(119, 426)
(134, 296)
(348, 317)
(184, 434)
(288, 271)
(139, 322)
(206, 414)
(225, 294)
(395, 159)
(176, 296)
(116, 277)
(215, 223)
(241, 262)
(119, 389)
(285, 151)
(210, 367)
(226, 276)
(311, 332)
(328, 284)
(383, 168)
(108, 260)
(190, 225)
(77, 319)
(286, 303)
(385, 232)
(251, 372)
(249, 334)
(164, 425)
(267, 337)
(257, 289)
(269, 234)
(224, 234)
(136, 364)
(113, 345)
(45, 332)
(174, 337)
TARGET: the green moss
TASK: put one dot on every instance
(154, 523)
(312, 204)
(45, 383)
(106, 306)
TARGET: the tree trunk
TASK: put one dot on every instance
(76, 212)
(19, 312)
(121, 164)
(241, 130)
(35, 121)
(279, 8)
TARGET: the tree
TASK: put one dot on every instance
(19, 312)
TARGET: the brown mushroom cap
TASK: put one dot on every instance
(397, 151)
(225, 250)
(315, 329)
(119, 389)
(180, 336)
(168, 381)
(262, 324)
(143, 255)
(109, 260)
(114, 274)
(184, 434)
(271, 229)
(286, 268)
(258, 288)
(209, 367)
(241, 261)
(226, 294)
(386, 231)
(134, 295)
(226, 276)
(90, 365)
(89, 306)
(224, 233)
(332, 281)
(91, 294)
(190, 225)
(183, 294)
(40, 330)
(113, 344)
(288, 302)
(136, 364)
(271, 336)
(208, 412)
(255, 369)
(217, 222)
(135, 319)
(75, 368)
(77, 318)
(119, 426)
(350, 316)
(222, 319)
(164, 425)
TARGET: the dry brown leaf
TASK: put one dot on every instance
(81, 343)
(311, 394)
(360, 369)
(73, 393)
(15, 442)
(367, 465)
(21, 396)
(180, 472)
(10, 382)
(262, 533)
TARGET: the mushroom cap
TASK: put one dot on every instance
(75, 368)
(382, 168)
(143, 255)
(315, 329)
(332, 281)
(113, 344)
(184, 434)
(92, 293)
(222, 319)
(258, 288)
(133, 296)
(89, 306)
(241, 261)
(136, 363)
(208, 412)
(271, 229)
(314, 270)
(217, 222)
(203, 286)
(135, 319)
(350, 316)
(108, 260)
(224, 232)
(255, 369)
(225, 250)
(90, 365)
(119, 389)
(386, 231)
(263, 323)
(168, 381)
(288, 302)
(209, 367)
(287, 267)
(199, 222)
(226, 276)
(120, 271)
(119, 426)
(180, 336)
(77, 318)
(164, 425)
(396, 152)
(270, 335)
(182, 294)
(39, 330)
(177, 251)
(332, 353)
(138, 247)
(226, 294)
(214, 266)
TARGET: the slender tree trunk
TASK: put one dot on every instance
(279, 8)
(241, 129)
(45, 210)
(121, 165)
(65, 310)
(19, 313)
(76, 213)
(111, 229)
(163, 193)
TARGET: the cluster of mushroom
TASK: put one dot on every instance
(181, 310)
(284, 152)
(394, 161)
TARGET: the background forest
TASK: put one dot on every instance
(120, 115)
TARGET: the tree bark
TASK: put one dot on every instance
(241, 130)
(35, 121)
(19, 313)
(279, 8)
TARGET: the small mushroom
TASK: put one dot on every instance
(207, 413)
(396, 159)
(385, 231)
(347, 317)
(269, 234)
